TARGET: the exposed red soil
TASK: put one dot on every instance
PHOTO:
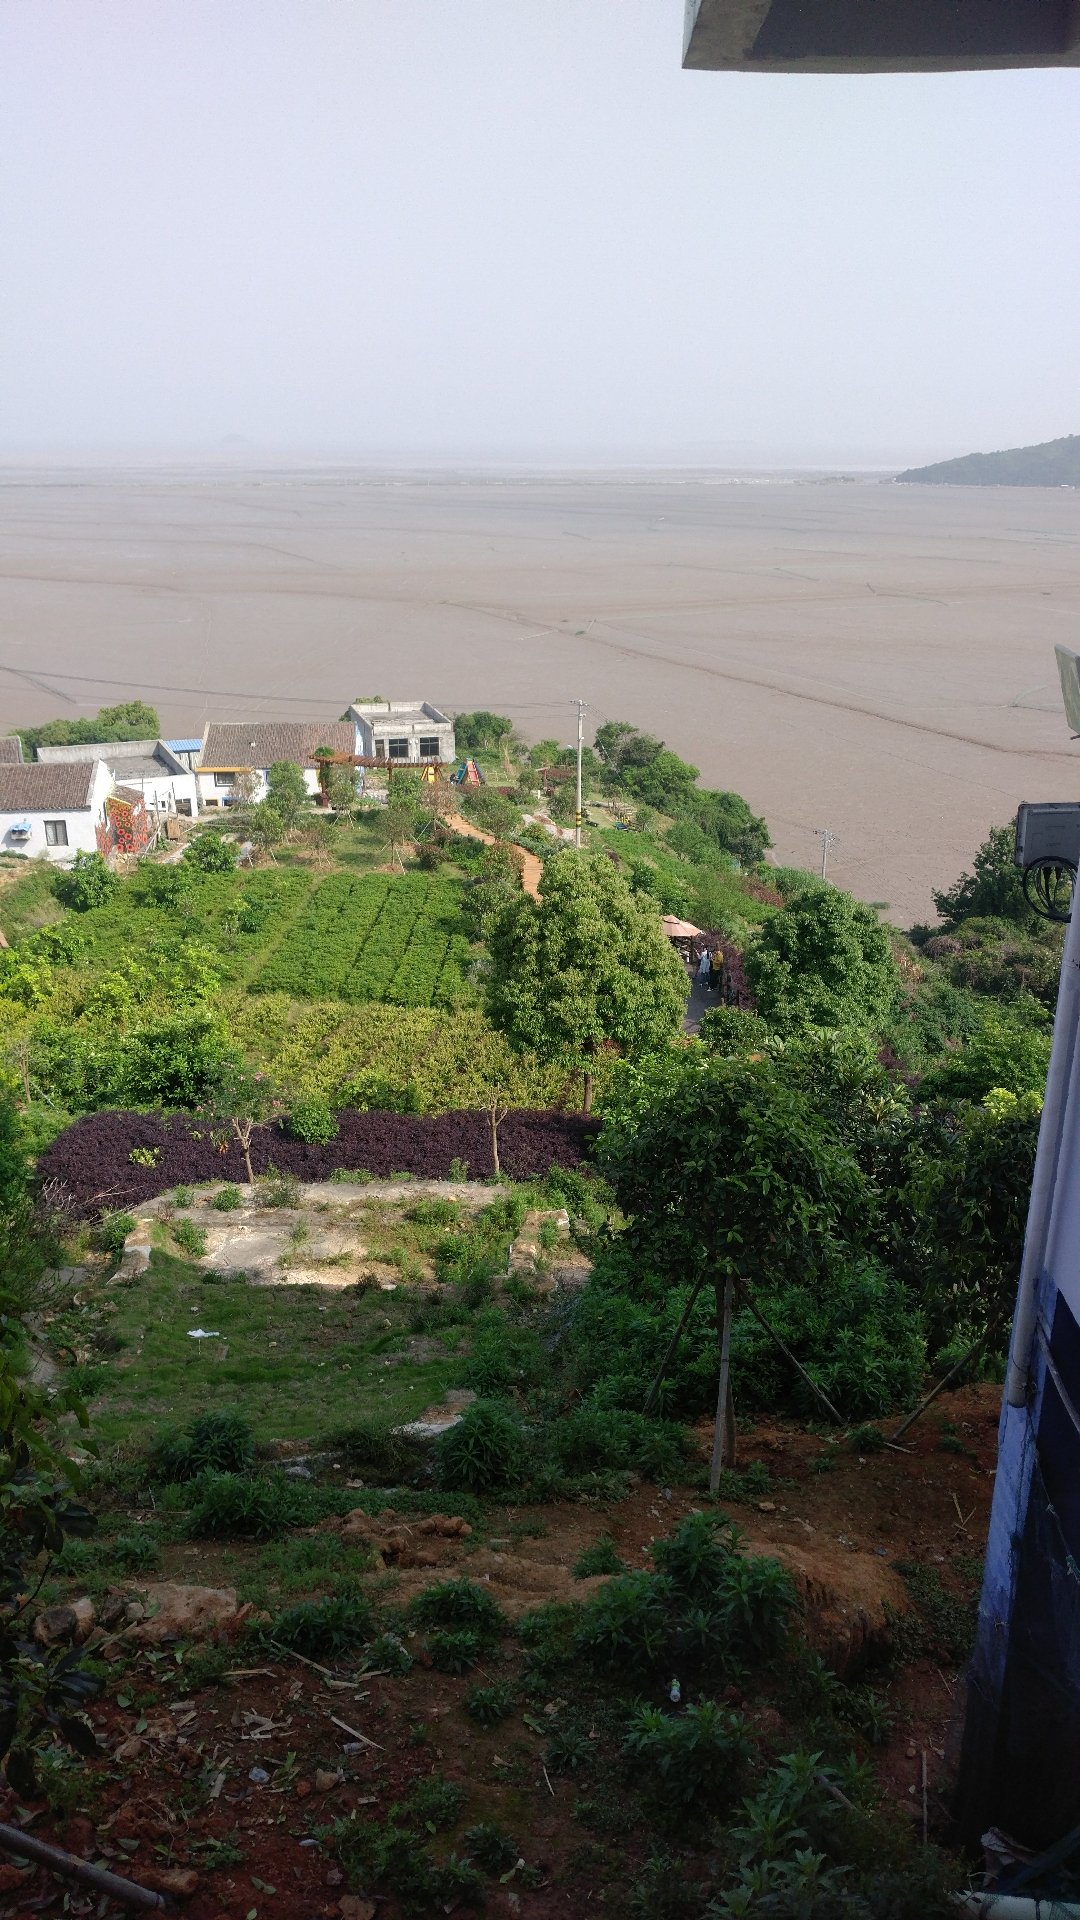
(160, 1804)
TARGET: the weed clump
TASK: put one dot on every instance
(692, 1760)
(459, 1603)
(227, 1199)
(600, 1557)
(490, 1705)
(213, 1443)
(231, 1505)
(486, 1452)
(189, 1238)
(322, 1629)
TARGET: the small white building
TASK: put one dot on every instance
(54, 810)
(237, 755)
(149, 766)
(402, 730)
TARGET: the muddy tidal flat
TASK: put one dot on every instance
(868, 657)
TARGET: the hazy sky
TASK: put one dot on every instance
(511, 226)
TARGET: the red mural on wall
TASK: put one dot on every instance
(130, 826)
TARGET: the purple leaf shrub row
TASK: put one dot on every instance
(89, 1167)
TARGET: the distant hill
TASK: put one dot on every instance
(1055, 463)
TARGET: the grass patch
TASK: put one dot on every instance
(289, 1359)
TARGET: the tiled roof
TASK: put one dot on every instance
(42, 787)
(11, 752)
(259, 743)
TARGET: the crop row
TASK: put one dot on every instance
(374, 938)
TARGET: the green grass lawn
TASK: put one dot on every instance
(297, 1361)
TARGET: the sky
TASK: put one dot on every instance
(517, 229)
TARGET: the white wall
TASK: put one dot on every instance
(224, 798)
(80, 822)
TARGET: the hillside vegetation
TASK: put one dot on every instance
(626, 1696)
(1053, 463)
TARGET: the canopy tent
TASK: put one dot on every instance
(677, 929)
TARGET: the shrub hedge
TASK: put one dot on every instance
(90, 1163)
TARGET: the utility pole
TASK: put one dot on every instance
(826, 836)
(580, 705)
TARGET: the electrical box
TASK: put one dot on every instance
(1048, 830)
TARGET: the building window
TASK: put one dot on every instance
(399, 749)
(380, 749)
(56, 833)
(429, 746)
(224, 779)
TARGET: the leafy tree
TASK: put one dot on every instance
(994, 888)
(286, 792)
(490, 810)
(266, 828)
(584, 967)
(90, 883)
(131, 720)
(960, 1210)
(339, 785)
(209, 853)
(824, 961)
(727, 823)
(664, 782)
(729, 1175)
(172, 1062)
(481, 731)
(545, 753)
(241, 1101)
(400, 822)
(725, 1164)
(1009, 1053)
(496, 887)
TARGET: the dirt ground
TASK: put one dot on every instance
(173, 1791)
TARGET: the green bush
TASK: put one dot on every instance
(629, 1626)
(456, 1649)
(459, 1603)
(593, 1437)
(859, 1333)
(729, 1031)
(322, 1629)
(209, 853)
(189, 1238)
(490, 1847)
(212, 1443)
(694, 1762)
(388, 1654)
(227, 1199)
(599, 1557)
(489, 1705)
(312, 1121)
(228, 1506)
(374, 1448)
(697, 1556)
(390, 1856)
(112, 1230)
(435, 1802)
(487, 1452)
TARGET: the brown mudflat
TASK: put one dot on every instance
(872, 658)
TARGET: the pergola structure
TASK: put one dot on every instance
(880, 36)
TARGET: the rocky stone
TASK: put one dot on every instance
(175, 1611)
(68, 1625)
(325, 1781)
(128, 1749)
(352, 1907)
(180, 1882)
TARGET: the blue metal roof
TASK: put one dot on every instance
(184, 746)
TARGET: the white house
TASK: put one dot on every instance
(149, 766)
(397, 730)
(54, 810)
(238, 754)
